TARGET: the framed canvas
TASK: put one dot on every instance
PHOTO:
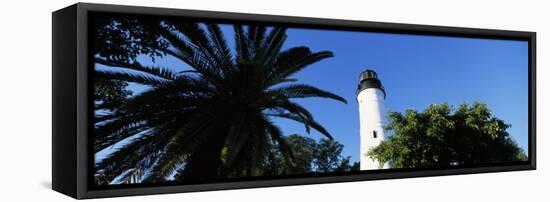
(156, 100)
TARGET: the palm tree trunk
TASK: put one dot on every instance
(206, 162)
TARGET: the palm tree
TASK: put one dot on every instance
(216, 119)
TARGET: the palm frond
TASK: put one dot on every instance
(188, 92)
(284, 147)
(272, 46)
(295, 59)
(192, 51)
(130, 77)
(309, 122)
(161, 72)
(102, 118)
(218, 41)
(281, 104)
(256, 35)
(199, 39)
(130, 155)
(115, 131)
(241, 43)
(305, 91)
(177, 42)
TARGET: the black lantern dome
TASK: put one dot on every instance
(369, 79)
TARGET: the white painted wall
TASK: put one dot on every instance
(372, 117)
(25, 106)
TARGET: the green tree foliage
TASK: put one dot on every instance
(328, 156)
(443, 137)
(110, 93)
(345, 165)
(216, 119)
(304, 150)
(311, 156)
(122, 39)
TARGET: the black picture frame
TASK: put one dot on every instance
(72, 111)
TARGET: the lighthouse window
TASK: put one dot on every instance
(374, 135)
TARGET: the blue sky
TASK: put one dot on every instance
(415, 70)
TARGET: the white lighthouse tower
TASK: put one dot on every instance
(370, 96)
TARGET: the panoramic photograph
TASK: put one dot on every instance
(185, 101)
